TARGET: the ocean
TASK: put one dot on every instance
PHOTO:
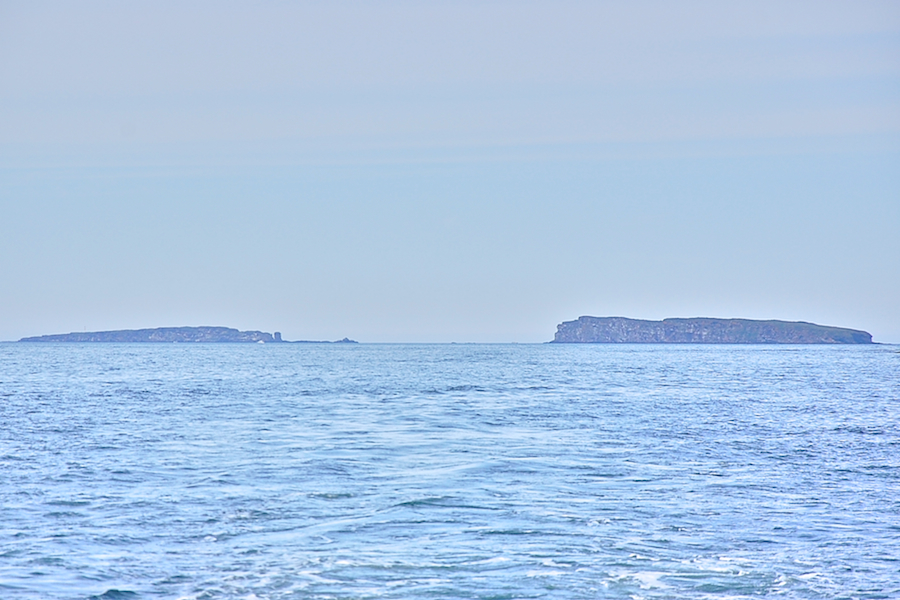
(339, 471)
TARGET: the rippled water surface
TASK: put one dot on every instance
(448, 471)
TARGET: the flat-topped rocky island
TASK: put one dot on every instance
(621, 330)
(208, 335)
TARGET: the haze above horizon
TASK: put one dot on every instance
(449, 171)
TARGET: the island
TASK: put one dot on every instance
(618, 330)
(207, 335)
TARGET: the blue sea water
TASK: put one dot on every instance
(255, 471)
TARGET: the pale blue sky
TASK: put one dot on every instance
(447, 171)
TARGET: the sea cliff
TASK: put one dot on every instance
(612, 330)
(187, 335)
(163, 334)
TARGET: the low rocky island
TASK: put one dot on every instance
(209, 335)
(615, 330)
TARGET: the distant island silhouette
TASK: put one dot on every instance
(618, 330)
(584, 330)
(188, 335)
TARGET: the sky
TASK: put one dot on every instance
(447, 171)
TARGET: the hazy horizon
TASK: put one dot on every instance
(346, 338)
(450, 171)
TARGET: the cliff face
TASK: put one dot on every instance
(609, 330)
(163, 334)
